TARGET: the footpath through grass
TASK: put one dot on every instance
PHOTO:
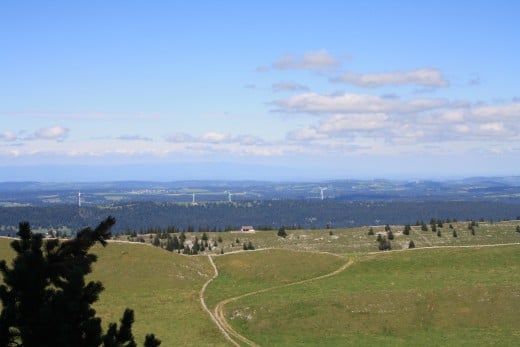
(246, 272)
(456, 297)
(161, 287)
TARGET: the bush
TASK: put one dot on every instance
(282, 232)
(411, 244)
(371, 231)
(390, 235)
(384, 244)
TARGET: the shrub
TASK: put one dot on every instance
(411, 244)
(371, 231)
(282, 232)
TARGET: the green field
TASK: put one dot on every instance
(456, 297)
(318, 287)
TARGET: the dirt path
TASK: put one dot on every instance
(205, 307)
(219, 309)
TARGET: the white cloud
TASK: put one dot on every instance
(354, 103)
(317, 60)
(215, 137)
(506, 111)
(423, 77)
(51, 133)
(8, 136)
(354, 122)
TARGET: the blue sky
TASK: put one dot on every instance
(271, 90)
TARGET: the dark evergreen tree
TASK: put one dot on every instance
(182, 239)
(371, 231)
(45, 301)
(390, 234)
(156, 241)
(384, 244)
(455, 233)
(407, 229)
(411, 244)
(282, 232)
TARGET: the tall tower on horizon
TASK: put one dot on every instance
(79, 199)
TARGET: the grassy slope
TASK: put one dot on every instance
(161, 287)
(249, 271)
(354, 240)
(458, 297)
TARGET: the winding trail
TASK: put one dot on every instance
(205, 307)
(219, 316)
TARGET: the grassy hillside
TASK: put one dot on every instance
(456, 296)
(250, 271)
(162, 288)
(427, 296)
(355, 240)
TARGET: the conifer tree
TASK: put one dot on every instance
(45, 301)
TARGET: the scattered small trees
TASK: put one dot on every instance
(248, 246)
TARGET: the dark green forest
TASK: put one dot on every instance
(261, 214)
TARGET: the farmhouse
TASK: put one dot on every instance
(247, 229)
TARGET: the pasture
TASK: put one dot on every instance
(321, 287)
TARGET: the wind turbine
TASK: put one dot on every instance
(193, 198)
(229, 195)
(321, 192)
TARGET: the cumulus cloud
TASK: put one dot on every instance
(58, 133)
(354, 103)
(354, 122)
(8, 136)
(306, 134)
(215, 137)
(422, 77)
(289, 86)
(317, 60)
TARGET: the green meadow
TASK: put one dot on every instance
(455, 296)
(321, 287)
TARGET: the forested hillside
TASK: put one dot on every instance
(261, 214)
